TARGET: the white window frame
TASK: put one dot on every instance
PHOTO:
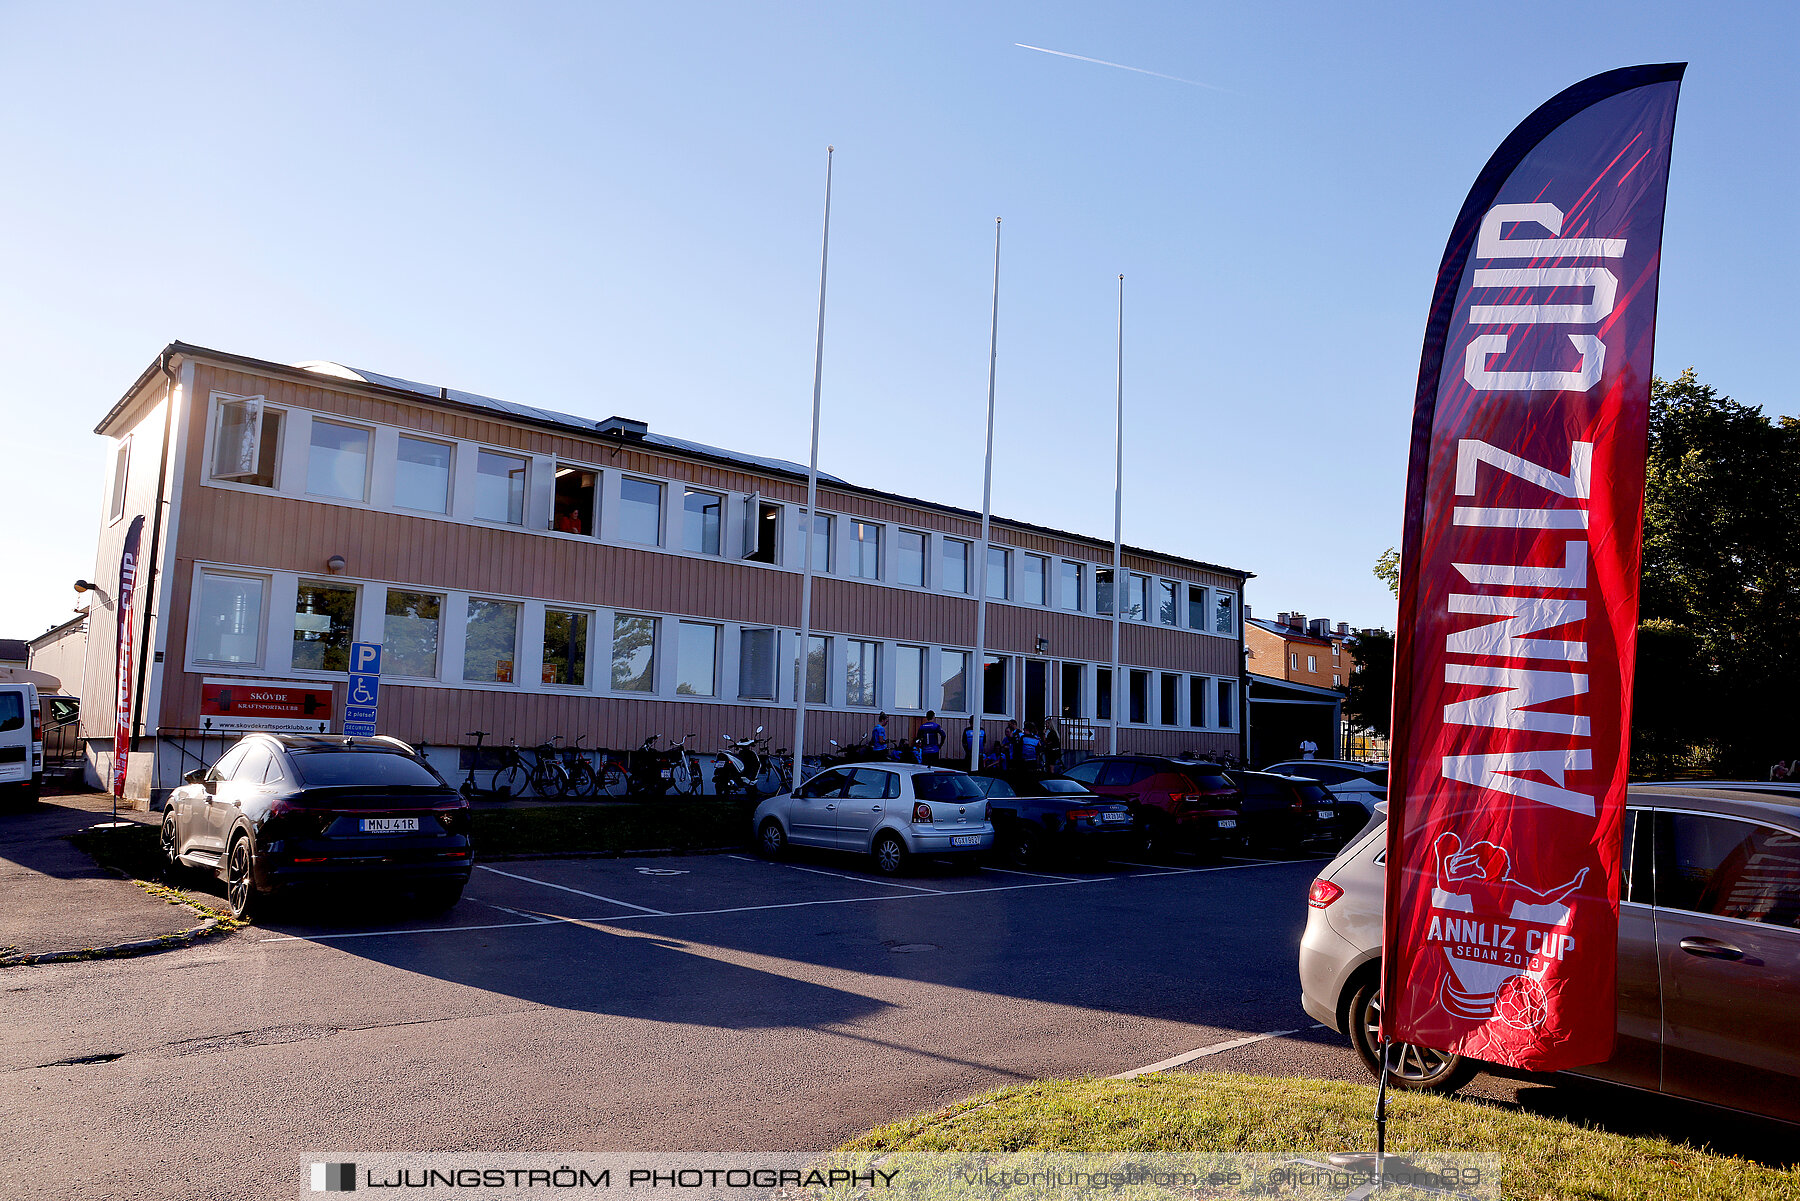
(662, 513)
(1045, 587)
(368, 457)
(925, 573)
(462, 667)
(121, 481)
(717, 659)
(501, 523)
(924, 653)
(859, 525)
(218, 401)
(1082, 571)
(587, 666)
(658, 660)
(1006, 570)
(873, 645)
(301, 581)
(201, 571)
(688, 490)
(944, 542)
(449, 482)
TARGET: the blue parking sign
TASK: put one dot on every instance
(364, 694)
(365, 658)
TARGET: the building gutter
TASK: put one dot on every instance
(165, 364)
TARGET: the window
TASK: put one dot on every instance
(246, 447)
(228, 619)
(700, 522)
(1337, 650)
(490, 641)
(1137, 604)
(1293, 660)
(409, 634)
(422, 475)
(1312, 663)
(860, 663)
(1337, 680)
(380, 768)
(1227, 712)
(1165, 602)
(1169, 711)
(1087, 771)
(339, 462)
(1138, 702)
(500, 487)
(825, 784)
(1034, 571)
(696, 659)
(228, 762)
(1103, 590)
(865, 548)
(1197, 701)
(565, 647)
(818, 664)
(121, 467)
(1725, 868)
(872, 784)
(955, 558)
(909, 558)
(762, 532)
(1070, 598)
(756, 664)
(999, 569)
(640, 511)
(1224, 613)
(12, 711)
(634, 653)
(1196, 607)
(820, 540)
(994, 698)
(909, 677)
(1122, 773)
(1071, 690)
(572, 505)
(324, 626)
(1103, 693)
(953, 681)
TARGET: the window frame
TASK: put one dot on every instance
(449, 474)
(872, 687)
(612, 653)
(1062, 592)
(774, 681)
(945, 542)
(591, 519)
(260, 660)
(946, 656)
(524, 489)
(627, 506)
(354, 589)
(901, 650)
(1026, 558)
(683, 624)
(121, 482)
(1005, 565)
(858, 527)
(215, 430)
(312, 447)
(437, 648)
(469, 603)
(900, 533)
(587, 655)
(688, 516)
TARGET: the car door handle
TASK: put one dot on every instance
(831, 806)
(874, 808)
(1706, 948)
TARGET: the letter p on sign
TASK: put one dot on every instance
(365, 658)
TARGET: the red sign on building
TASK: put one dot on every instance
(278, 705)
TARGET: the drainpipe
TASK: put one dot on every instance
(156, 523)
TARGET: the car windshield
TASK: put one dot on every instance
(1207, 777)
(1313, 793)
(366, 769)
(1063, 788)
(1375, 774)
(945, 786)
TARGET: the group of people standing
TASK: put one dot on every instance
(1034, 745)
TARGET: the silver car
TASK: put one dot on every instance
(1353, 783)
(890, 811)
(1709, 951)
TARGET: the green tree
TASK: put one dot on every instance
(1369, 699)
(1387, 569)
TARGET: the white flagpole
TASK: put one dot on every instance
(978, 704)
(1120, 588)
(812, 499)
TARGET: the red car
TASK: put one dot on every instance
(1179, 803)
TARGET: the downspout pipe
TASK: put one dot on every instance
(165, 363)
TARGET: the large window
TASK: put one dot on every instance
(1103, 693)
(500, 487)
(700, 522)
(565, 647)
(1196, 607)
(820, 539)
(1197, 701)
(1071, 690)
(861, 661)
(1169, 710)
(909, 677)
(1138, 700)
(909, 557)
(1727, 868)
(1034, 573)
(1070, 586)
(697, 659)
(1226, 713)
(1103, 590)
(633, 653)
(490, 641)
(756, 664)
(762, 530)
(121, 472)
(247, 443)
(409, 634)
(955, 559)
(1224, 613)
(999, 572)
(228, 624)
(818, 668)
(324, 626)
(572, 507)
(1165, 602)
(865, 546)
(1137, 605)
(953, 682)
(422, 475)
(339, 462)
(640, 511)
(995, 697)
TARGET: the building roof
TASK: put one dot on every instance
(589, 427)
(1268, 688)
(1289, 632)
(14, 650)
(78, 619)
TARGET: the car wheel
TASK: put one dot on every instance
(438, 898)
(890, 855)
(240, 883)
(771, 839)
(1410, 1068)
(172, 867)
(1024, 848)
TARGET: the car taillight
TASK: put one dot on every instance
(37, 725)
(1299, 806)
(1322, 893)
(1076, 815)
(455, 821)
(921, 812)
(1179, 799)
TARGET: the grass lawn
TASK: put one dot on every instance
(1228, 1112)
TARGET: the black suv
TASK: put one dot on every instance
(283, 810)
(1179, 803)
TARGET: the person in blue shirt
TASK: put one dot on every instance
(969, 747)
(929, 738)
(878, 742)
(1029, 745)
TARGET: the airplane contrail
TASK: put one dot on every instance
(1195, 83)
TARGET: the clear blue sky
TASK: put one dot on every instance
(615, 209)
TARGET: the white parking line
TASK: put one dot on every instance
(1214, 1049)
(1160, 869)
(838, 876)
(565, 888)
(547, 921)
(1009, 871)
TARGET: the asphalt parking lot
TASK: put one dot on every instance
(709, 1002)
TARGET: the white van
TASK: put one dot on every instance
(21, 742)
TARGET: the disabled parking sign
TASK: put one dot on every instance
(364, 695)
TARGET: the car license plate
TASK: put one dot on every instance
(1228, 824)
(668, 773)
(965, 840)
(387, 825)
(1115, 817)
(1327, 813)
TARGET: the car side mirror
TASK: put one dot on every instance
(194, 776)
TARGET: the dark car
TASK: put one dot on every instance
(1038, 817)
(280, 811)
(1179, 803)
(1294, 813)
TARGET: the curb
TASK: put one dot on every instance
(121, 950)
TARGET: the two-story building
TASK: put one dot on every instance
(1297, 672)
(531, 574)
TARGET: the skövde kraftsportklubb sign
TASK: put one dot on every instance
(1519, 587)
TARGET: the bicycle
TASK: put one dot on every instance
(512, 777)
(683, 772)
(549, 778)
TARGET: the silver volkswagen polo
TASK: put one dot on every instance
(890, 811)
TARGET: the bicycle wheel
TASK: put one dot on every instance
(582, 781)
(548, 779)
(513, 778)
(612, 778)
(681, 779)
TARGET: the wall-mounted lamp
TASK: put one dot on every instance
(336, 564)
(1043, 646)
(97, 590)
